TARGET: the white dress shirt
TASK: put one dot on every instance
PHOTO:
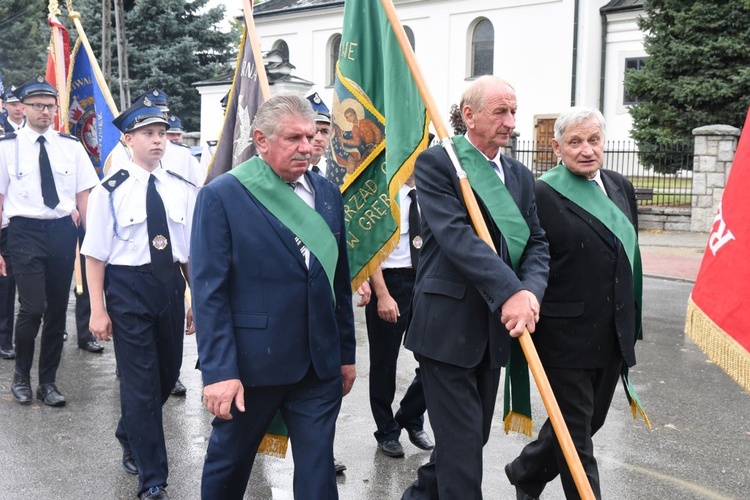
(401, 255)
(126, 242)
(20, 179)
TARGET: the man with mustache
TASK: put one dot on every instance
(272, 297)
(44, 177)
(140, 241)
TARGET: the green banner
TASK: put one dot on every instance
(380, 125)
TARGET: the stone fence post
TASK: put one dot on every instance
(713, 155)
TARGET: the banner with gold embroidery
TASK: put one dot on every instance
(717, 318)
(380, 125)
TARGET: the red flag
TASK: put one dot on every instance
(58, 62)
(717, 318)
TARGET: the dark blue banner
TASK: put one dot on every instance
(90, 118)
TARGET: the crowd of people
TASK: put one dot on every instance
(263, 250)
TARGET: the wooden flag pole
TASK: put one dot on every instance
(252, 36)
(58, 56)
(553, 410)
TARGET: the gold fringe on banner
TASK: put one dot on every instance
(274, 445)
(518, 423)
(720, 347)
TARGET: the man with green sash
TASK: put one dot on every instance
(469, 300)
(271, 287)
(591, 313)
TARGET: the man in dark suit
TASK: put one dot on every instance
(272, 295)
(468, 299)
(590, 315)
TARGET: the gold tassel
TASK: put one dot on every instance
(720, 347)
(274, 445)
(518, 423)
(636, 409)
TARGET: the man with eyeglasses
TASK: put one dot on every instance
(44, 177)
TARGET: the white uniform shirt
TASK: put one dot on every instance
(322, 165)
(20, 180)
(177, 159)
(401, 255)
(129, 246)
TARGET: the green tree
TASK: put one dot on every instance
(23, 40)
(171, 45)
(697, 72)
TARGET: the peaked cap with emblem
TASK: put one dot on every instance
(10, 95)
(36, 86)
(175, 124)
(141, 113)
(158, 98)
(322, 113)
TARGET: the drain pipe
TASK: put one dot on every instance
(603, 64)
(574, 76)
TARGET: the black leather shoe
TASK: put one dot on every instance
(128, 463)
(21, 388)
(391, 448)
(520, 494)
(155, 493)
(420, 439)
(7, 353)
(338, 466)
(178, 389)
(91, 346)
(49, 395)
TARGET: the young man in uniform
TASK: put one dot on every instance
(140, 244)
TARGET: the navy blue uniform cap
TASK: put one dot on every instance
(141, 113)
(37, 86)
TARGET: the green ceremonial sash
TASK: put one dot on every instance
(307, 224)
(583, 193)
(496, 198)
(507, 216)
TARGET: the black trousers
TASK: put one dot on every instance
(83, 302)
(461, 402)
(584, 397)
(7, 296)
(148, 327)
(385, 341)
(43, 252)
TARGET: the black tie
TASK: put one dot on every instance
(315, 169)
(415, 229)
(158, 234)
(49, 193)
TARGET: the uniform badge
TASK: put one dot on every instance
(417, 242)
(160, 242)
(147, 102)
(40, 79)
(112, 183)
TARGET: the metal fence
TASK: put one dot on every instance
(637, 164)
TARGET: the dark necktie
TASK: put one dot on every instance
(49, 193)
(415, 229)
(315, 169)
(298, 241)
(596, 185)
(611, 237)
(158, 234)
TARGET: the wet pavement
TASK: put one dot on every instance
(699, 447)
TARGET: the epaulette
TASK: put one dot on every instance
(68, 136)
(175, 174)
(183, 145)
(117, 179)
(9, 135)
(212, 143)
